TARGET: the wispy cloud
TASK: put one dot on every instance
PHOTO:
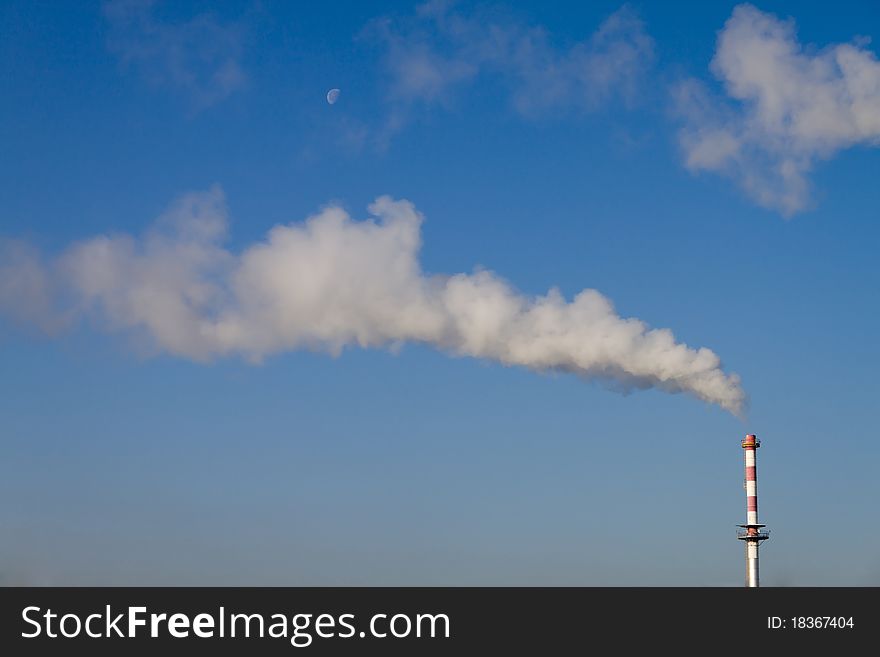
(431, 55)
(199, 57)
(787, 107)
(331, 282)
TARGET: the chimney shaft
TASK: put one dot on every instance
(753, 532)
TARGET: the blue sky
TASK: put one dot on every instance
(710, 170)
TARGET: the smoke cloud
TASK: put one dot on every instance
(330, 282)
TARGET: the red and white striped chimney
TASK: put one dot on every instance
(750, 445)
(753, 532)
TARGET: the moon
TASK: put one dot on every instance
(333, 96)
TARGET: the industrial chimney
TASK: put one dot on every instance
(752, 533)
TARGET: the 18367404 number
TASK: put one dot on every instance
(810, 622)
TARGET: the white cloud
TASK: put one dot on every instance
(788, 107)
(199, 57)
(331, 282)
(430, 55)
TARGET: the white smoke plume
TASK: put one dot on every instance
(330, 282)
(789, 106)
